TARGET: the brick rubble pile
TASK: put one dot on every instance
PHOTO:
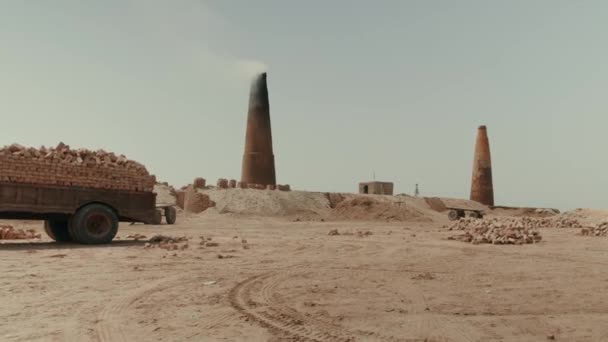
(496, 231)
(517, 222)
(9, 233)
(499, 236)
(63, 166)
(166, 242)
(223, 183)
(597, 230)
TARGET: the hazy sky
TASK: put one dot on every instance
(395, 87)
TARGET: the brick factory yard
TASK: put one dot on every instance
(279, 279)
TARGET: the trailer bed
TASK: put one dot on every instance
(43, 202)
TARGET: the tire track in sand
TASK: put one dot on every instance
(279, 319)
(110, 320)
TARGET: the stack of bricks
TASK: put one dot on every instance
(223, 183)
(66, 167)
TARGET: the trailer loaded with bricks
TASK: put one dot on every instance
(80, 195)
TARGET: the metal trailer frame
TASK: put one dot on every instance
(456, 213)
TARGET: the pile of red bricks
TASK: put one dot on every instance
(67, 167)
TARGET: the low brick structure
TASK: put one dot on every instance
(196, 202)
(199, 183)
(67, 167)
(376, 188)
(222, 183)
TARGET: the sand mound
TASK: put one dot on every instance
(334, 199)
(267, 202)
(380, 208)
(331, 206)
(588, 216)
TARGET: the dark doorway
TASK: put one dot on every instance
(365, 189)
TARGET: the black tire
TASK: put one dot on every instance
(157, 220)
(170, 215)
(73, 232)
(57, 230)
(453, 215)
(94, 224)
(461, 214)
(48, 230)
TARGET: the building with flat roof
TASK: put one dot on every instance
(376, 188)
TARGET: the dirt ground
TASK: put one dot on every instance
(291, 281)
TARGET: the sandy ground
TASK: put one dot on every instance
(293, 282)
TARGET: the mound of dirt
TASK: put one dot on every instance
(373, 208)
(334, 199)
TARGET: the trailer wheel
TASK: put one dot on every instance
(170, 215)
(158, 218)
(57, 230)
(73, 232)
(453, 215)
(94, 224)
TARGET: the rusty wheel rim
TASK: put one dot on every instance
(98, 224)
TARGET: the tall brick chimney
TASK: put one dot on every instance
(258, 160)
(482, 190)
